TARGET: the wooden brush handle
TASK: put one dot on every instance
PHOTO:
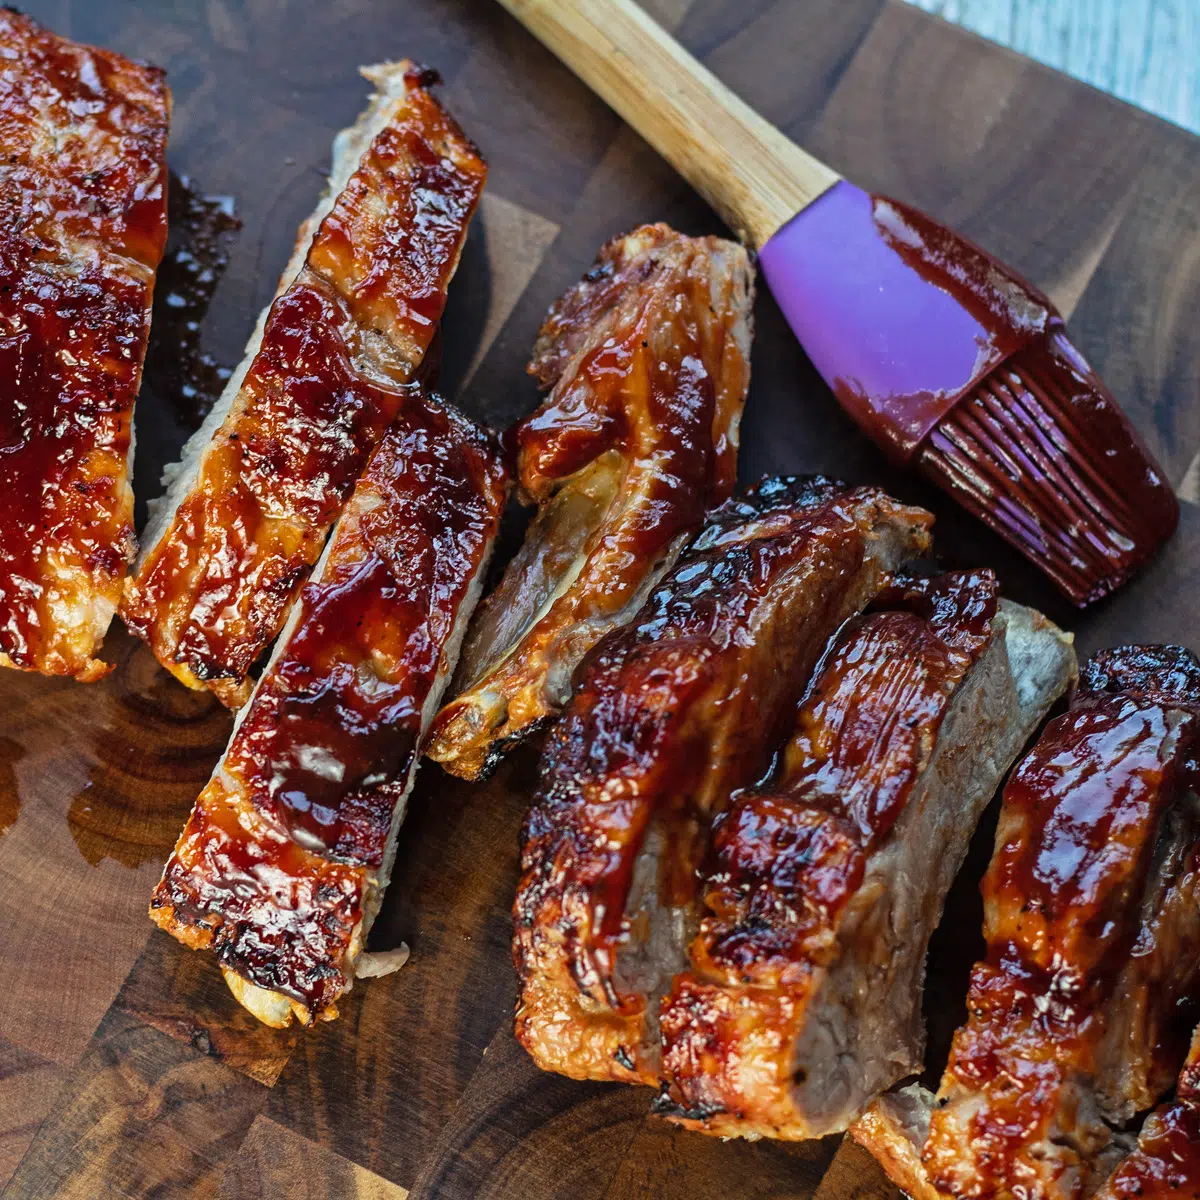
(756, 178)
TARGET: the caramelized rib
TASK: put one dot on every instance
(1085, 818)
(83, 224)
(672, 713)
(323, 379)
(282, 865)
(803, 1000)
(647, 361)
(1092, 920)
(1166, 1163)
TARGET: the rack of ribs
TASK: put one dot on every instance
(672, 713)
(282, 865)
(83, 224)
(1092, 923)
(647, 362)
(262, 482)
(803, 1000)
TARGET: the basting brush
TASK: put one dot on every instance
(950, 361)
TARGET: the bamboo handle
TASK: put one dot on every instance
(754, 177)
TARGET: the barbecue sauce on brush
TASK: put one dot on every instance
(1040, 451)
(955, 365)
(324, 750)
(74, 318)
(338, 348)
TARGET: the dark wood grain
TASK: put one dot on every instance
(179, 994)
(97, 785)
(274, 1161)
(507, 1135)
(28, 1085)
(125, 1067)
(142, 1114)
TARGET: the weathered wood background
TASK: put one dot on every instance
(125, 1067)
(1144, 51)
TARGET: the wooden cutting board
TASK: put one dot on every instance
(125, 1067)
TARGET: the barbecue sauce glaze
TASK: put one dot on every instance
(82, 228)
(670, 714)
(272, 867)
(787, 859)
(647, 364)
(338, 347)
(1063, 896)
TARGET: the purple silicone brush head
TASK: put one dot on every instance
(955, 365)
(949, 360)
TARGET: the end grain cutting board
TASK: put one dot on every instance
(125, 1067)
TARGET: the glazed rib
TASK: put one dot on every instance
(803, 1000)
(1166, 1163)
(1092, 920)
(672, 713)
(647, 361)
(282, 865)
(83, 225)
(263, 481)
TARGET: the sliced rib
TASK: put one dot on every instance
(83, 224)
(263, 481)
(1166, 1163)
(672, 713)
(804, 997)
(282, 866)
(647, 361)
(1092, 919)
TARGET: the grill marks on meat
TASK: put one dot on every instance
(323, 378)
(672, 713)
(282, 865)
(804, 997)
(1092, 919)
(1166, 1163)
(83, 225)
(647, 361)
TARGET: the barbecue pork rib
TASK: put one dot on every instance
(1166, 1163)
(264, 479)
(1092, 922)
(83, 224)
(803, 1001)
(672, 713)
(282, 865)
(647, 362)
